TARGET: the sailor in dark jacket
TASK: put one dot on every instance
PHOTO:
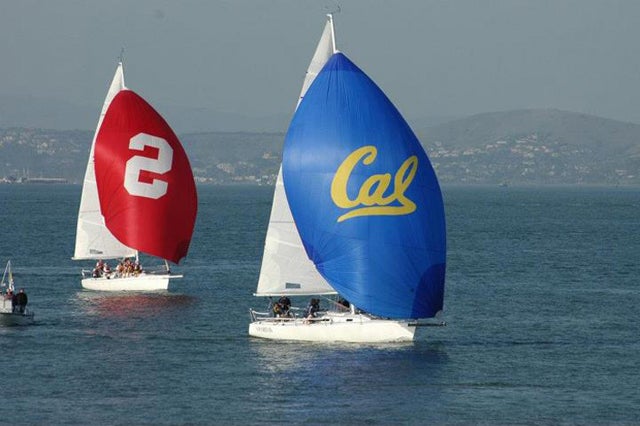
(21, 301)
(313, 308)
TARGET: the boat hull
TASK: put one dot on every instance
(144, 282)
(351, 328)
(10, 319)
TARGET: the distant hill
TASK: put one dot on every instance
(551, 124)
(514, 147)
(535, 146)
(234, 157)
(215, 157)
(43, 153)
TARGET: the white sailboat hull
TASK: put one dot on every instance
(334, 327)
(143, 282)
(8, 317)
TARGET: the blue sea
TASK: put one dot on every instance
(541, 305)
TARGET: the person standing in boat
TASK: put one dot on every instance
(21, 301)
(277, 310)
(120, 269)
(285, 304)
(343, 303)
(98, 270)
(281, 307)
(313, 308)
(11, 296)
(137, 268)
(106, 270)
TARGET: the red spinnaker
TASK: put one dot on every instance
(145, 183)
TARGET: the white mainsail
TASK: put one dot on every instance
(8, 275)
(93, 239)
(286, 269)
(326, 48)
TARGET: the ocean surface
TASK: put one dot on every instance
(541, 304)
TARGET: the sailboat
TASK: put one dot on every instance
(10, 314)
(138, 196)
(357, 211)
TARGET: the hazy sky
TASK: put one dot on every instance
(432, 57)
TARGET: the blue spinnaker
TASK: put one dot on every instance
(365, 197)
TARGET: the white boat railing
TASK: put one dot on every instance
(323, 316)
(155, 270)
(268, 316)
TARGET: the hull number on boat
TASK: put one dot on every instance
(137, 164)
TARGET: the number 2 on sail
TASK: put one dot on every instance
(137, 164)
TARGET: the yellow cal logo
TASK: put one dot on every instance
(371, 200)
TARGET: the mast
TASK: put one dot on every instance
(333, 31)
(121, 67)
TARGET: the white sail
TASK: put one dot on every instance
(93, 239)
(8, 275)
(286, 269)
(326, 48)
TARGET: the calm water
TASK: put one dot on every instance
(542, 300)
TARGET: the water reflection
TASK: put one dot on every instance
(127, 305)
(290, 356)
(365, 378)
